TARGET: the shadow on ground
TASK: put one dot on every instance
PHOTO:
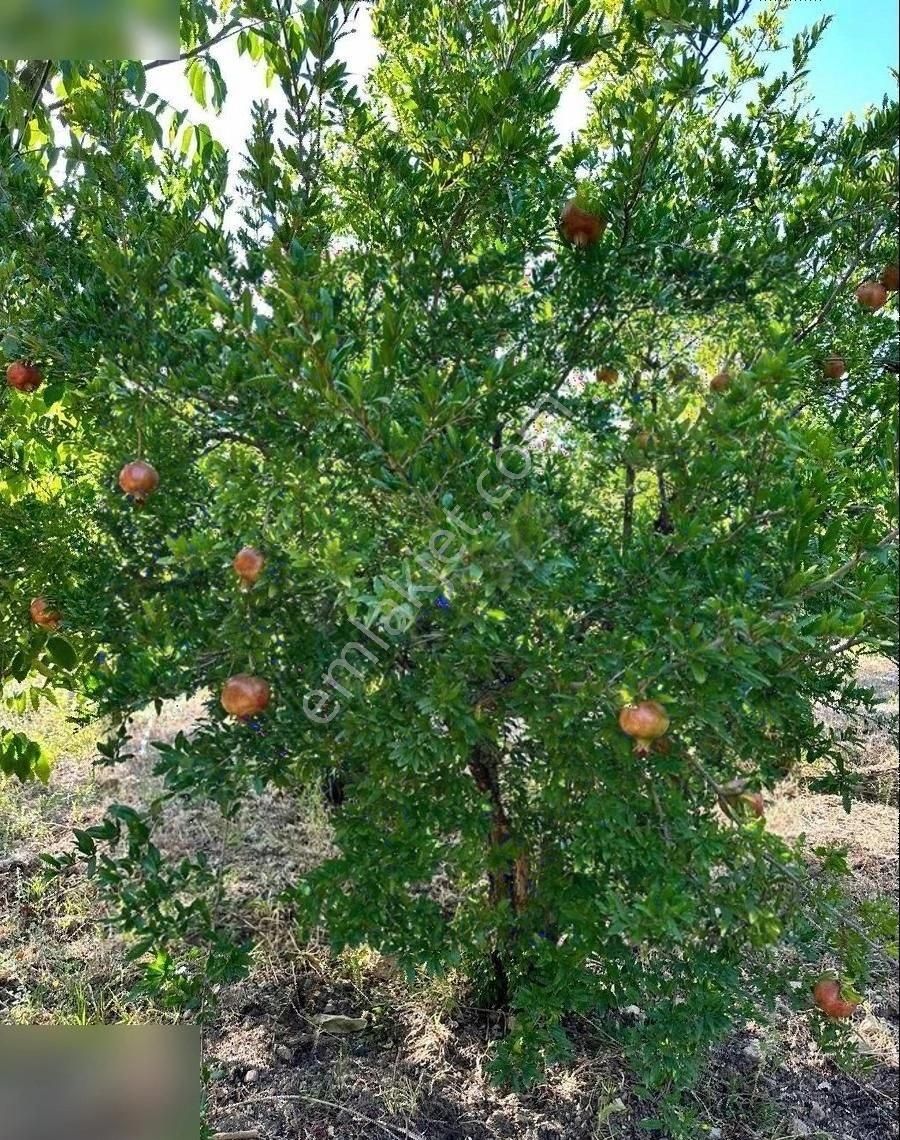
(419, 1069)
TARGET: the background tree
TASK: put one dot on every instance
(384, 378)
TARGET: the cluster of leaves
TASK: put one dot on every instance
(169, 909)
(379, 370)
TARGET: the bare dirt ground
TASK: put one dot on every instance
(418, 1069)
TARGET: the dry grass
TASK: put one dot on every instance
(420, 1069)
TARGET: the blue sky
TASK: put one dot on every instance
(850, 67)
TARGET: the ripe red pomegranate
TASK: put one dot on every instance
(24, 377)
(890, 278)
(645, 721)
(834, 367)
(244, 695)
(720, 382)
(827, 996)
(607, 375)
(139, 479)
(580, 227)
(871, 295)
(43, 614)
(248, 564)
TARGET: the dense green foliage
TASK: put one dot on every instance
(378, 367)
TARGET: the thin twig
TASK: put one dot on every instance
(232, 28)
(393, 1130)
(664, 118)
(842, 281)
(784, 868)
(35, 97)
(642, 170)
(816, 587)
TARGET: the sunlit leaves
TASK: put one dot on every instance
(22, 757)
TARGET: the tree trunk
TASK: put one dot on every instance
(507, 876)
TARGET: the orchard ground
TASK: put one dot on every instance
(417, 1071)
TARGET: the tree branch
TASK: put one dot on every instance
(704, 56)
(35, 96)
(842, 282)
(233, 27)
(842, 571)
(785, 869)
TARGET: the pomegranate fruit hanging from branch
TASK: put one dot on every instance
(248, 564)
(644, 722)
(23, 376)
(244, 695)
(581, 222)
(139, 480)
(721, 382)
(871, 295)
(834, 367)
(43, 614)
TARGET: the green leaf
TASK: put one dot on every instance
(84, 842)
(219, 299)
(197, 78)
(62, 652)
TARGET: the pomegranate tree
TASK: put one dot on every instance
(358, 371)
